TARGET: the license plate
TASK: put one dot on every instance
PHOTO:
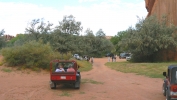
(63, 77)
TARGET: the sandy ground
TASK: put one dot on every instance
(28, 85)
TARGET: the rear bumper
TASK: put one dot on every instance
(63, 81)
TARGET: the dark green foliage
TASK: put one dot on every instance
(38, 29)
(2, 32)
(2, 42)
(2, 39)
(100, 33)
(62, 42)
(31, 54)
(16, 40)
(70, 26)
(148, 39)
(116, 39)
(97, 46)
(41, 44)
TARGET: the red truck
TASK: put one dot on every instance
(56, 78)
(169, 86)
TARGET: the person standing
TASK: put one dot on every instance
(115, 58)
(92, 60)
(112, 58)
(108, 58)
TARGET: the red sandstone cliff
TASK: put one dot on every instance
(161, 8)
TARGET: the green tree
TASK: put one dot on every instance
(148, 38)
(62, 42)
(89, 32)
(2, 32)
(2, 39)
(70, 26)
(100, 33)
(38, 29)
(116, 39)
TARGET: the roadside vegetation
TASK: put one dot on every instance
(84, 65)
(90, 81)
(153, 70)
(6, 70)
(151, 40)
(41, 43)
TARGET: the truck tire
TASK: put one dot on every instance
(167, 95)
(164, 89)
(53, 85)
(78, 80)
(77, 85)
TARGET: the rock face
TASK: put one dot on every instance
(162, 8)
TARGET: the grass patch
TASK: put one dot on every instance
(81, 92)
(90, 81)
(84, 65)
(65, 93)
(6, 70)
(1, 63)
(153, 70)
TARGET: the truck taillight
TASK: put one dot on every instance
(174, 88)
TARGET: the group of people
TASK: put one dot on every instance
(61, 69)
(113, 57)
(88, 58)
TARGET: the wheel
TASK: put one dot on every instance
(164, 89)
(52, 85)
(77, 83)
(167, 96)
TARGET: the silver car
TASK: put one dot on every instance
(128, 57)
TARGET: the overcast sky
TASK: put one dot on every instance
(111, 16)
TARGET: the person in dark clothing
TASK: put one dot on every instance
(112, 58)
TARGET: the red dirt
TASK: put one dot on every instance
(28, 85)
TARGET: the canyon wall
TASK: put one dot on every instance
(162, 8)
(168, 9)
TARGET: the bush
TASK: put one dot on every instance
(31, 54)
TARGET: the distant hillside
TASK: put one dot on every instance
(109, 37)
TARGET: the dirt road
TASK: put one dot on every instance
(101, 83)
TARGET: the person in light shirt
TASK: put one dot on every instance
(70, 69)
(60, 69)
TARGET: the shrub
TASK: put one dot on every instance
(31, 54)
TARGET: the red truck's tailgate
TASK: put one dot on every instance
(63, 76)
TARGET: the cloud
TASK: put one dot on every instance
(110, 15)
(14, 17)
(81, 1)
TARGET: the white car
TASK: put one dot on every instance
(76, 56)
(128, 57)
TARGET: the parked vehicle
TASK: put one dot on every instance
(124, 55)
(169, 86)
(109, 55)
(76, 56)
(129, 57)
(56, 78)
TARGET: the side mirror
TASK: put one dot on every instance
(164, 74)
(78, 67)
